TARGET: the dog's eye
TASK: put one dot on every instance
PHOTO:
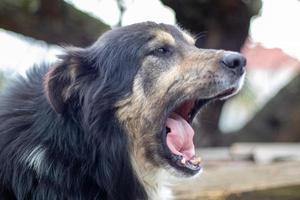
(161, 51)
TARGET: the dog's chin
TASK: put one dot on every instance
(177, 134)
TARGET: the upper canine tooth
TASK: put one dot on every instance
(183, 160)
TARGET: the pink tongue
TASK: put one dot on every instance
(180, 139)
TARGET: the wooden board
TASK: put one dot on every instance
(223, 178)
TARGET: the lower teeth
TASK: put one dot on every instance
(191, 165)
(194, 163)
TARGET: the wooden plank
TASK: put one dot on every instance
(266, 152)
(237, 177)
(278, 193)
(215, 153)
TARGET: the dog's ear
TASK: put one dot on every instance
(61, 81)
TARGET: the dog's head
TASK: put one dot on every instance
(152, 80)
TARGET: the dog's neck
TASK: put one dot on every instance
(154, 180)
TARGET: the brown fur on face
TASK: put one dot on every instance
(163, 80)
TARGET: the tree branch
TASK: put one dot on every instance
(53, 21)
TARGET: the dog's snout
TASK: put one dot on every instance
(234, 61)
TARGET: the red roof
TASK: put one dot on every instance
(259, 56)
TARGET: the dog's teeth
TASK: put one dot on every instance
(196, 161)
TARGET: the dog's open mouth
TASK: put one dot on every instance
(178, 137)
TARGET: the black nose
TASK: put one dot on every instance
(234, 61)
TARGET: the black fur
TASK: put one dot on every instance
(70, 116)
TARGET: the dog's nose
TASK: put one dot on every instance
(234, 61)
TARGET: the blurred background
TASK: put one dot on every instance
(250, 144)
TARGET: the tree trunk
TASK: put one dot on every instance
(221, 25)
(53, 21)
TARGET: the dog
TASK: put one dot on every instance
(105, 121)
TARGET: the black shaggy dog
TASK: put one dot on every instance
(106, 120)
